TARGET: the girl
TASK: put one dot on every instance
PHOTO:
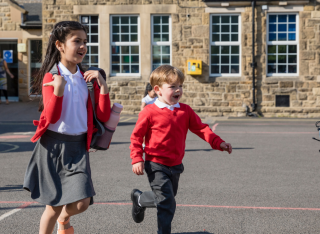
(59, 174)
(150, 96)
(3, 78)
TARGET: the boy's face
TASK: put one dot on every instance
(169, 93)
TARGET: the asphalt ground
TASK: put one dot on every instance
(269, 184)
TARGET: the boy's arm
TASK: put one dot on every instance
(137, 135)
(203, 130)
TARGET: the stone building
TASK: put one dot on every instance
(129, 38)
(21, 43)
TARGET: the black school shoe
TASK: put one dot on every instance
(137, 211)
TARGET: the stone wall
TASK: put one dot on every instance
(217, 96)
(8, 17)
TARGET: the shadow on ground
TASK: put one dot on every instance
(193, 233)
(11, 188)
(14, 126)
(126, 123)
(213, 149)
(16, 147)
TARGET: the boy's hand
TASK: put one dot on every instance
(138, 168)
(226, 147)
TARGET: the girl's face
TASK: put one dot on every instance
(152, 93)
(75, 47)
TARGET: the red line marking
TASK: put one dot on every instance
(13, 136)
(25, 204)
(214, 127)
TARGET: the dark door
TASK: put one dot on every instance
(12, 84)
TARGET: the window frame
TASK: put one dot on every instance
(229, 43)
(167, 43)
(287, 43)
(138, 43)
(29, 67)
(90, 43)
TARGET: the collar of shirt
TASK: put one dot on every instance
(65, 71)
(164, 105)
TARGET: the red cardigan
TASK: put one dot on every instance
(165, 134)
(53, 107)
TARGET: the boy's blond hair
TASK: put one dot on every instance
(166, 74)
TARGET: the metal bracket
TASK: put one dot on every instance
(253, 65)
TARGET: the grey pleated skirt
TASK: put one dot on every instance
(59, 170)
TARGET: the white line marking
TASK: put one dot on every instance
(24, 133)
(14, 147)
(126, 119)
(2, 217)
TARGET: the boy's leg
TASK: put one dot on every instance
(164, 183)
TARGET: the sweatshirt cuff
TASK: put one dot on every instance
(216, 144)
(136, 160)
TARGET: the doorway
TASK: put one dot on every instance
(10, 47)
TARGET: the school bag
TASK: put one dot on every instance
(101, 139)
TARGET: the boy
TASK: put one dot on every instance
(165, 125)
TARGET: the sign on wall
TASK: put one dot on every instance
(8, 56)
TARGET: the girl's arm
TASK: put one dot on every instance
(101, 95)
(52, 94)
(7, 69)
(143, 104)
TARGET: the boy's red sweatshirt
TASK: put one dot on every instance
(165, 134)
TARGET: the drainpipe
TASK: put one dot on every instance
(253, 65)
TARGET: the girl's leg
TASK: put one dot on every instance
(72, 209)
(49, 218)
(6, 96)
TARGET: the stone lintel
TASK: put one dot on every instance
(125, 9)
(258, 3)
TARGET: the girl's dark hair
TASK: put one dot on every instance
(148, 89)
(59, 33)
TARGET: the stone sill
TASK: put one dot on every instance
(281, 78)
(124, 78)
(225, 78)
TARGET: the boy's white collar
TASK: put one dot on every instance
(164, 105)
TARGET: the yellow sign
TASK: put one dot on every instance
(194, 67)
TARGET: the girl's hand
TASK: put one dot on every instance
(138, 168)
(58, 84)
(226, 147)
(94, 74)
(12, 76)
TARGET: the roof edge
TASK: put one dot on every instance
(15, 5)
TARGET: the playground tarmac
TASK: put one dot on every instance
(269, 184)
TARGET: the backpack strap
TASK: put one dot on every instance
(98, 124)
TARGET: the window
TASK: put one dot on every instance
(282, 44)
(92, 57)
(225, 45)
(125, 45)
(35, 63)
(161, 40)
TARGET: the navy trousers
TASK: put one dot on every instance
(164, 182)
